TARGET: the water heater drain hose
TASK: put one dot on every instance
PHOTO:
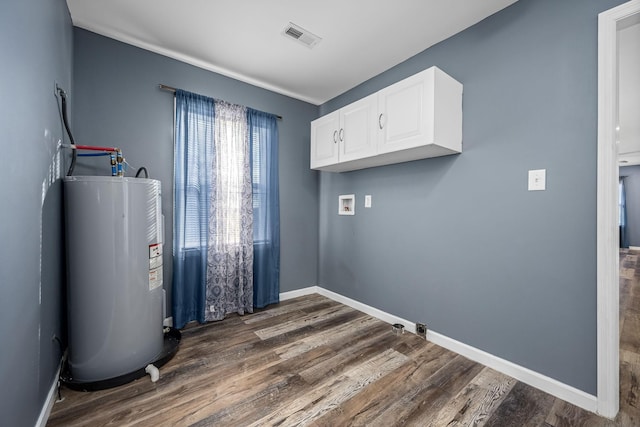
(153, 372)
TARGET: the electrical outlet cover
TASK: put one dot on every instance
(537, 180)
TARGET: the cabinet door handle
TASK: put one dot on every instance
(342, 134)
(380, 120)
(335, 136)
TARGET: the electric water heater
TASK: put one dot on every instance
(114, 258)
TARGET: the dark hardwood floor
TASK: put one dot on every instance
(312, 361)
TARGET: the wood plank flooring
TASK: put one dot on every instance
(312, 361)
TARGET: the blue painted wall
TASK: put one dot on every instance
(631, 175)
(458, 242)
(36, 47)
(118, 103)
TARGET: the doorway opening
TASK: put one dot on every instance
(609, 24)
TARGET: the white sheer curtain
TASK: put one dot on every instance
(230, 250)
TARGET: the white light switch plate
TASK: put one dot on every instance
(537, 180)
(367, 201)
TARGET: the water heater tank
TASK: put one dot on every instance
(114, 294)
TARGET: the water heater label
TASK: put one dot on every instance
(155, 250)
(155, 256)
(155, 262)
(155, 278)
(155, 266)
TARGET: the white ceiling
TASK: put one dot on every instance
(243, 38)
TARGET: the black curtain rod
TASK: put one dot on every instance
(173, 89)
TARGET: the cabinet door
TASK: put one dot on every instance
(405, 113)
(357, 133)
(324, 140)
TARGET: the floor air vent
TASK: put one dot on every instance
(301, 35)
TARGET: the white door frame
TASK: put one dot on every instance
(609, 22)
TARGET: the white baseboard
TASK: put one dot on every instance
(549, 385)
(298, 293)
(51, 399)
(554, 387)
(372, 311)
(634, 248)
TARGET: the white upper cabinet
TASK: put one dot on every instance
(424, 109)
(324, 140)
(416, 118)
(346, 134)
(357, 133)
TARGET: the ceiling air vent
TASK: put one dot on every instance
(301, 35)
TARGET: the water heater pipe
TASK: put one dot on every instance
(89, 147)
(116, 156)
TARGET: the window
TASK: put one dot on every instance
(231, 175)
(193, 191)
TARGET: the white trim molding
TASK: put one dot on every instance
(547, 384)
(371, 311)
(608, 400)
(299, 293)
(50, 400)
(527, 376)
